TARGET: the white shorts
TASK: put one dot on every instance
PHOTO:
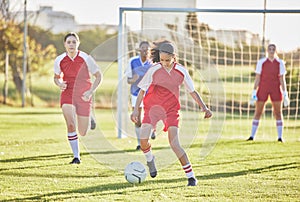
(133, 101)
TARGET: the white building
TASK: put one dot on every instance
(235, 38)
(59, 21)
(164, 21)
(48, 19)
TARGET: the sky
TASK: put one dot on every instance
(281, 29)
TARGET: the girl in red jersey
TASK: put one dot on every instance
(72, 71)
(161, 102)
(270, 81)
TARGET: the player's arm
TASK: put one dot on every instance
(97, 81)
(286, 100)
(135, 113)
(253, 98)
(143, 85)
(258, 71)
(133, 79)
(282, 73)
(57, 75)
(61, 84)
(282, 82)
(95, 71)
(195, 95)
(256, 81)
(189, 85)
(88, 94)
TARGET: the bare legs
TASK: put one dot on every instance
(138, 128)
(173, 136)
(277, 112)
(69, 113)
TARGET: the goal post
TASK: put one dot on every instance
(221, 62)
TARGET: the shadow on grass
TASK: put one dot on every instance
(123, 187)
(37, 158)
(238, 144)
(30, 113)
(21, 173)
(101, 190)
(278, 167)
(57, 156)
(69, 155)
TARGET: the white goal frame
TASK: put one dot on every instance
(122, 42)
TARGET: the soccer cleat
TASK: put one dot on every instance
(250, 139)
(93, 124)
(152, 168)
(75, 161)
(138, 147)
(192, 181)
(153, 136)
(280, 140)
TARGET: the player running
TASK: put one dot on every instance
(161, 102)
(72, 71)
(138, 66)
(270, 81)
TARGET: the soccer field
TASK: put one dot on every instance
(34, 156)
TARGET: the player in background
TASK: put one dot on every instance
(72, 71)
(160, 86)
(138, 66)
(269, 81)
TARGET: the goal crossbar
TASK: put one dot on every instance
(186, 10)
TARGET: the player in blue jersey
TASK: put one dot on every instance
(138, 66)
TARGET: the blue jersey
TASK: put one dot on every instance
(136, 66)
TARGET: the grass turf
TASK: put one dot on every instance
(34, 156)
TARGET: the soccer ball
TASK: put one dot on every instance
(135, 172)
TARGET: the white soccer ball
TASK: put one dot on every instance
(135, 172)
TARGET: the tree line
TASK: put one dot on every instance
(42, 47)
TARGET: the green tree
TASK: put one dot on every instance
(92, 38)
(11, 37)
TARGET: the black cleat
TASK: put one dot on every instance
(192, 181)
(152, 168)
(250, 139)
(75, 161)
(138, 147)
(153, 136)
(280, 140)
(93, 124)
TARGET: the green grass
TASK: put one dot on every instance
(236, 82)
(34, 152)
(44, 92)
(34, 156)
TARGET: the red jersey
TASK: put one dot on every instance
(270, 72)
(161, 101)
(269, 84)
(75, 71)
(163, 87)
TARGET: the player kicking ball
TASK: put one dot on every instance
(161, 102)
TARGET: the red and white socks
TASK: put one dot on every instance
(148, 154)
(73, 140)
(188, 170)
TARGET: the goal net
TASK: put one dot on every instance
(221, 61)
